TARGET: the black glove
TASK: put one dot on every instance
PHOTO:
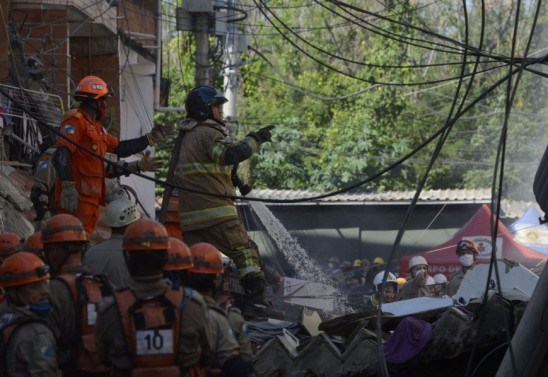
(263, 135)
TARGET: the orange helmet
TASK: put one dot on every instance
(467, 245)
(34, 244)
(22, 268)
(10, 243)
(206, 259)
(145, 234)
(92, 87)
(178, 256)
(63, 228)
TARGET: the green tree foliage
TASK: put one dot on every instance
(334, 80)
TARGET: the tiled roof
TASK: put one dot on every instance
(510, 208)
(476, 195)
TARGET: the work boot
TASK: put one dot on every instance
(254, 304)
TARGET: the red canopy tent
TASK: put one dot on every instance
(443, 259)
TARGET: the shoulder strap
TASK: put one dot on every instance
(70, 282)
(125, 299)
(187, 297)
(176, 296)
(170, 174)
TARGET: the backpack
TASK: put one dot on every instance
(152, 330)
(9, 324)
(87, 292)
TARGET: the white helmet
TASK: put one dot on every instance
(430, 281)
(121, 212)
(416, 261)
(440, 278)
(377, 281)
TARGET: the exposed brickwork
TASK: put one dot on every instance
(139, 16)
(45, 36)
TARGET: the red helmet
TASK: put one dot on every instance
(178, 256)
(145, 234)
(10, 243)
(63, 228)
(206, 259)
(93, 87)
(34, 244)
(22, 268)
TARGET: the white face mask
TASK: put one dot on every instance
(466, 260)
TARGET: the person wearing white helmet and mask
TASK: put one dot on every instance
(106, 258)
(389, 292)
(467, 252)
(440, 285)
(416, 286)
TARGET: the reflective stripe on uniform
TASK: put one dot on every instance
(249, 262)
(244, 271)
(217, 152)
(197, 168)
(192, 217)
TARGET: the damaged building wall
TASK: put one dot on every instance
(15, 206)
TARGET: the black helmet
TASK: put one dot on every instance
(199, 100)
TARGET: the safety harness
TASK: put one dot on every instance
(151, 328)
(87, 292)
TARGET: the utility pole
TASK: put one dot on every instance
(202, 49)
(232, 66)
(195, 16)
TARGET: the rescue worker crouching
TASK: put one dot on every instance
(74, 296)
(80, 183)
(205, 161)
(150, 328)
(27, 347)
(206, 277)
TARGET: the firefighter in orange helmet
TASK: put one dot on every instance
(33, 244)
(28, 343)
(206, 277)
(10, 243)
(151, 328)
(179, 260)
(80, 184)
(74, 295)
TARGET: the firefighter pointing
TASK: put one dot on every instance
(205, 162)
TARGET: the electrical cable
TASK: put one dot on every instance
(347, 74)
(371, 178)
(422, 182)
(510, 96)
